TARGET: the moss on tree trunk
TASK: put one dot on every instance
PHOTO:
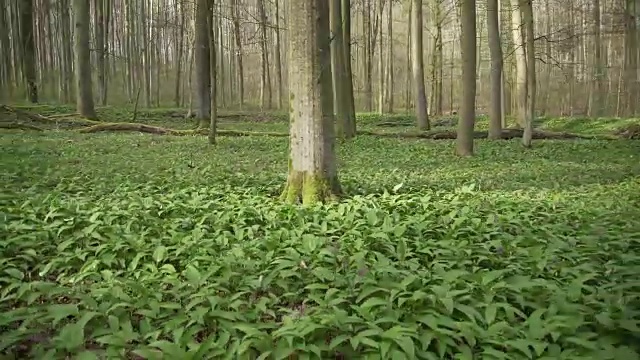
(309, 188)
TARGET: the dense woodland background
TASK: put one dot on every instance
(586, 54)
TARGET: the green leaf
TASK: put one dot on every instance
(15, 273)
(61, 311)
(193, 275)
(71, 336)
(490, 313)
(159, 253)
(87, 355)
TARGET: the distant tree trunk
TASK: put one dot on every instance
(278, 57)
(631, 87)
(381, 79)
(238, 37)
(213, 71)
(420, 93)
(312, 165)
(100, 31)
(202, 62)
(368, 55)
(84, 89)
(527, 14)
(521, 61)
(266, 101)
(598, 76)
(27, 37)
(346, 32)
(179, 52)
(67, 53)
(408, 82)
(6, 86)
(495, 48)
(464, 141)
(390, 78)
(338, 71)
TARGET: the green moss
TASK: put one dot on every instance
(309, 188)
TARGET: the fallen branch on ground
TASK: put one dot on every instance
(506, 134)
(91, 126)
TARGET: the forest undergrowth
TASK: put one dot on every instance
(121, 245)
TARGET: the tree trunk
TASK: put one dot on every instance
(266, 101)
(100, 31)
(346, 32)
(390, 78)
(202, 63)
(84, 88)
(312, 164)
(338, 71)
(521, 61)
(527, 14)
(27, 37)
(420, 93)
(238, 37)
(278, 57)
(381, 83)
(598, 75)
(213, 71)
(464, 140)
(495, 48)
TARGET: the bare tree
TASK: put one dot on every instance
(84, 86)
(464, 141)
(420, 93)
(495, 47)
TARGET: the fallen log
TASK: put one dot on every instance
(506, 134)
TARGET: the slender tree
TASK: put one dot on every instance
(202, 59)
(84, 85)
(27, 36)
(464, 141)
(338, 70)
(420, 93)
(495, 48)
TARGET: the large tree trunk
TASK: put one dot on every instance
(420, 93)
(521, 61)
(202, 59)
(312, 164)
(527, 14)
(84, 87)
(495, 48)
(27, 37)
(464, 140)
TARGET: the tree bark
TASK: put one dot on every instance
(420, 93)
(312, 165)
(27, 37)
(238, 38)
(202, 63)
(464, 140)
(266, 100)
(346, 32)
(213, 71)
(527, 14)
(84, 87)
(338, 70)
(521, 61)
(495, 48)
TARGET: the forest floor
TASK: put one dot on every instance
(146, 246)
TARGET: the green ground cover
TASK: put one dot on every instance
(120, 245)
